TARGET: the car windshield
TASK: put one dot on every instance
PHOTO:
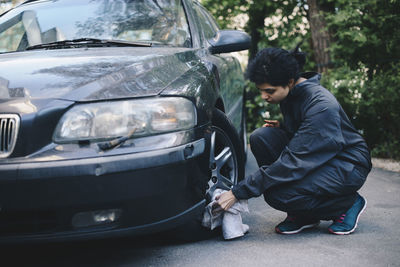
(161, 22)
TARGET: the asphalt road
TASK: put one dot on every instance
(376, 241)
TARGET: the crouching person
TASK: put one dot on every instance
(311, 165)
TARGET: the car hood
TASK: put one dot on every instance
(90, 74)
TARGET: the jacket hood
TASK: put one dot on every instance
(91, 74)
(312, 78)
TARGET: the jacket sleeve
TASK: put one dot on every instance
(317, 140)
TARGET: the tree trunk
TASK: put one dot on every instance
(256, 22)
(320, 36)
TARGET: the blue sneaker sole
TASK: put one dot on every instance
(355, 226)
(297, 230)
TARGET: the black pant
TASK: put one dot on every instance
(323, 194)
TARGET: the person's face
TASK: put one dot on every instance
(273, 94)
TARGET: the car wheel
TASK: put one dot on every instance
(226, 168)
(226, 161)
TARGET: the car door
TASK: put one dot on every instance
(230, 75)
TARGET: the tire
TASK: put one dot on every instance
(226, 168)
(226, 154)
(243, 135)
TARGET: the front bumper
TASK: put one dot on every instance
(155, 190)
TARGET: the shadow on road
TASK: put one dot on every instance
(105, 252)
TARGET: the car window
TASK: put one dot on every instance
(208, 25)
(11, 37)
(157, 21)
(211, 19)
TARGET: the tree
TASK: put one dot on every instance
(355, 45)
(320, 36)
(280, 23)
(257, 12)
(366, 74)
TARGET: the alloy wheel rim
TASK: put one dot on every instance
(223, 163)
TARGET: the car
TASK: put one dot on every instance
(117, 118)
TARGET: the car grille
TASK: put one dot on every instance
(9, 126)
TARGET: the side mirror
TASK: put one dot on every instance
(229, 41)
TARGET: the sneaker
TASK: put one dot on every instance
(294, 225)
(347, 222)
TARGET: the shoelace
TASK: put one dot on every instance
(341, 218)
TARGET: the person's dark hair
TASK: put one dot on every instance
(276, 66)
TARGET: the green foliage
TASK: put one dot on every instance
(225, 10)
(372, 105)
(365, 52)
(288, 13)
(366, 74)
(379, 111)
(365, 32)
(255, 107)
(348, 86)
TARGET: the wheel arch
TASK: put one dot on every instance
(219, 104)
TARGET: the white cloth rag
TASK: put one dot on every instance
(231, 220)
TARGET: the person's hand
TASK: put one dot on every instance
(225, 201)
(271, 123)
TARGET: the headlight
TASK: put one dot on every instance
(107, 120)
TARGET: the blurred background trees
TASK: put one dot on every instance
(354, 44)
(7, 4)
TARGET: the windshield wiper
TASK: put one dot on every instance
(92, 42)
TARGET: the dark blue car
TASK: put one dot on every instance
(116, 117)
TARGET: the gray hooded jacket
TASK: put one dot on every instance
(319, 131)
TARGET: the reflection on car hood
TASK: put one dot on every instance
(88, 74)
